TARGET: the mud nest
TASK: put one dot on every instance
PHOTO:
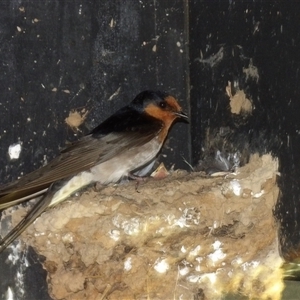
(183, 237)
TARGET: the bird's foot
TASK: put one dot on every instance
(98, 186)
(138, 180)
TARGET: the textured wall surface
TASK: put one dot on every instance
(89, 57)
(247, 51)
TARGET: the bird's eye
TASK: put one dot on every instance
(162, 104)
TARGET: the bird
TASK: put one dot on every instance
(125, 144)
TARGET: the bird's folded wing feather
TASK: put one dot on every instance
(80, 156)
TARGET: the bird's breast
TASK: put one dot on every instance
(127, 161)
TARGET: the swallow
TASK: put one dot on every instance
(124, 144)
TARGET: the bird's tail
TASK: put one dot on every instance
(34, 213)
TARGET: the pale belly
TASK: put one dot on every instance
(110, 171)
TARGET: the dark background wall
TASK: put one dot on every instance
(57, 56)
(95, 55)
(227, 39)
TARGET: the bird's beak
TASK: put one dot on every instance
(182, 116)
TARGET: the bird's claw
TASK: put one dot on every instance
(138, 180)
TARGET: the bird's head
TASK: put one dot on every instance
(159, 105)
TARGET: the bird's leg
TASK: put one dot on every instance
(138, 180)
(98, 186)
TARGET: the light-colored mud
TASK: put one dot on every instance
(184, 237)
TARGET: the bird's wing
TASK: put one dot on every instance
(80, 156)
